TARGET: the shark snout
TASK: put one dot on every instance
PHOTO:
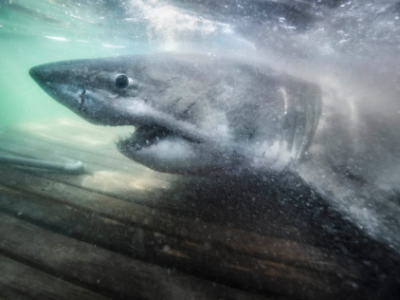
(35, 73)
(40, 75)
(54, 81)
(49, 74)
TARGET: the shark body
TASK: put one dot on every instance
(193, 113)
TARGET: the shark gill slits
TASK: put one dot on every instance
(121, 81)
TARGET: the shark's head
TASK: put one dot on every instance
(194, 114)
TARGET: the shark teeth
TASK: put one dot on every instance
(144, 136)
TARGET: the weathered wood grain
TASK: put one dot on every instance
(18, 281)
(14, 294)
(252, 244)
(110, 273)
(177, 194)
(67, 146)
(119, 185)
(127, 209)
(118, 177)
(206, 261)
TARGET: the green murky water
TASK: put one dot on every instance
(36, 32)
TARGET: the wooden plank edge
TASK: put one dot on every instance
(249, 243)
(205, 261)
(36, 284)
(97, 269)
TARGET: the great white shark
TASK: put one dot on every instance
(193, 113)
(215, 115)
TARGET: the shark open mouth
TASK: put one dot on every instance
(146, 136)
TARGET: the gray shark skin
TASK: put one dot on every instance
(193, 113)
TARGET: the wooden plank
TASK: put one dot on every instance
(125, 180)
(92, 144)
(194, 258)
(145, 189)
(295, 222)
(156, 190)
(16, 278)
(116, 176)
(12, 294)
(104, 271)
(250, 243)
(66, 147)
(313, 264)
(69, 133)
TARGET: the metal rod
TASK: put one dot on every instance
(69, 167)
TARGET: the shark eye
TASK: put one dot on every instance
(122, 81)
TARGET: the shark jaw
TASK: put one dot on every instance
(161, 149)
(160, 141)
